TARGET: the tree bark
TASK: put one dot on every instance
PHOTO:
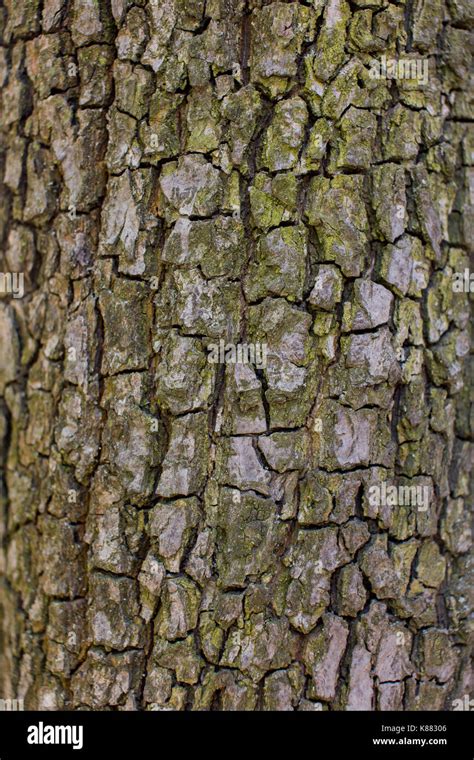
(186, 185)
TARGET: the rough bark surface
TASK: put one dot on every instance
(187, 535)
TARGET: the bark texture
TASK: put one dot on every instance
(188, 535)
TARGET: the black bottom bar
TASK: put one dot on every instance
(306, 734)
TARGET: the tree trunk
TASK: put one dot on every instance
(236, 407)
